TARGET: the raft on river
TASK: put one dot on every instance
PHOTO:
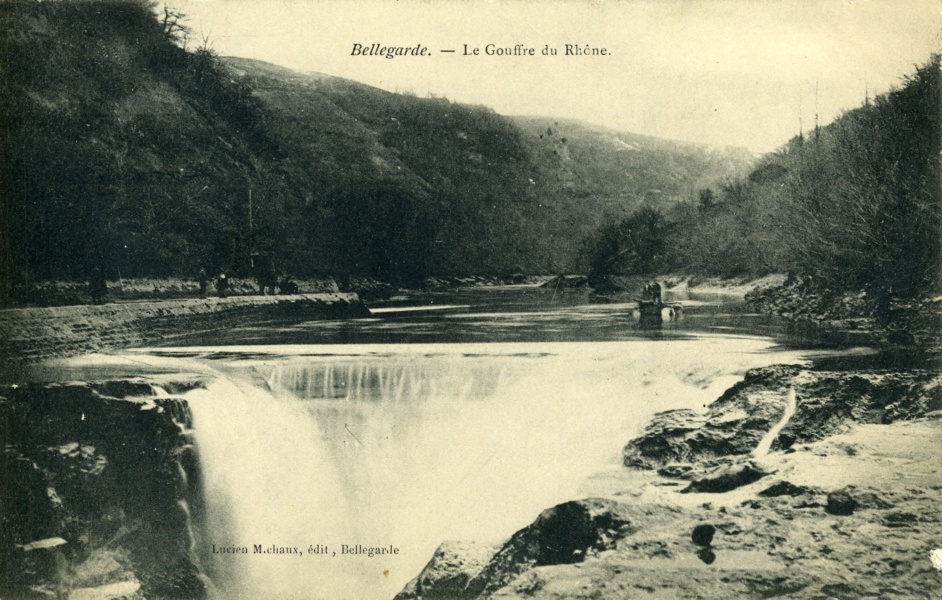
(656, 310)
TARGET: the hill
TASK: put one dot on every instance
(624, 171)
(852, 211)
(125, 152)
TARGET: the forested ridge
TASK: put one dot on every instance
(129, 149)
(851, 206)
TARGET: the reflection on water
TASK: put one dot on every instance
(519, 313)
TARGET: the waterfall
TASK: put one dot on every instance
(268, 483)
(189, 495)
(411, 445)
(382, 380)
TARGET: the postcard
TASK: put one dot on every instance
(468, 299)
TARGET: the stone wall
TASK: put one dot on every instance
(29, 334)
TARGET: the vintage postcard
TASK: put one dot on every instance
(467, 299)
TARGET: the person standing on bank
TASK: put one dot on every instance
(203, 280)
(222, 285)
(97, 286)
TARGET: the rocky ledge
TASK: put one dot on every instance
(90, 514)
(820, 403)
(798, 482)
(911, 322)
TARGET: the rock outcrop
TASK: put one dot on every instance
(564, 534)
(447, 575)
(828, 402)
(87, 509)
(843, 507)
(726, 478)
(902, 321)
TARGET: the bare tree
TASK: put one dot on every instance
(173, 26)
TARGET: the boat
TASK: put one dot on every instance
(654, 312)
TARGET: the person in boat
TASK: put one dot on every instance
(655, 292)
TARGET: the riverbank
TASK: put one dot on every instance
(836, 501)
(914, 322)
(32, 334)
(69, 293)
(43, 294)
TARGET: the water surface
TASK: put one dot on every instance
(455, 415)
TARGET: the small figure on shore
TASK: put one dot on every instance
(267, 280)
(222, 285)
(97, 286)
(204, 282)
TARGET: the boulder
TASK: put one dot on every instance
(447, 575)
(848, 499)
(703, 534)
(677, 470)
(726, 478)
(784, 488)
(561, 282)
(841, 503)
(564, 534)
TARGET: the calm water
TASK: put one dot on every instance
(454, 415)
(520, 314)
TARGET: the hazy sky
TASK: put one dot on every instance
(724, 72)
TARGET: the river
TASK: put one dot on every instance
(457, 415)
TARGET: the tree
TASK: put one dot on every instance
(634, 246)
(173, 27)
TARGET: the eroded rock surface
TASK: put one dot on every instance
(828, 402)
(100, 486)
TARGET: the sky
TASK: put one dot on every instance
(722, 72)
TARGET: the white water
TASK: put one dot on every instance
(791, 404)
(412, 445)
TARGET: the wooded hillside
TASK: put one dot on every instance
(126, 152)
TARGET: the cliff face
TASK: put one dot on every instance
(84, 506)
